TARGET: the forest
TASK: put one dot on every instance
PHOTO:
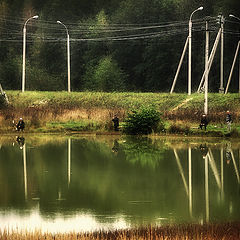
(115, 45)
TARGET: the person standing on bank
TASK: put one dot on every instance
(116, 123)
(20, 125)
(229, 120)
(204, 122)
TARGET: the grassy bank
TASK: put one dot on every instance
(225, 231)
(93, 111)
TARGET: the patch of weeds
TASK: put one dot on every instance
(233, 133)
(179, 129)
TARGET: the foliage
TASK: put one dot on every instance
(106, 76)
(115, 45)
(143, 121)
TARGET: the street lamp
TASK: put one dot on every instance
(190, 49)
(231, 15)
(24, 51)
(68, 55)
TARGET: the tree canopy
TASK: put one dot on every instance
(115, 45)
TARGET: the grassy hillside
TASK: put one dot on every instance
(94, 110)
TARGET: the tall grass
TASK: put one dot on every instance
(40, 108)
(225, 231)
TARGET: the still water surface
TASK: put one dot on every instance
(86, 183)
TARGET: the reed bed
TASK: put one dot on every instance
(226, 231)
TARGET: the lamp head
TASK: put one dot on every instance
(59, 22)
(200, 8)
(231, 15)
(35, 17)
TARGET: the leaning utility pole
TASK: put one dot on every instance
(233, 64)
(210, 60)
(179, 66)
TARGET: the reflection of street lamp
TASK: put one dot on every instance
(231, 15)
(24, 51)
(190, 49)
(68, 55)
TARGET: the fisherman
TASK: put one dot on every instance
(229, 120)
(116, 123)
(20, 141)
(204, 150)
(20, 125)
(204, 122)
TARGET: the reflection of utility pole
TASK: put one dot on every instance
(214, 168)
(235, 166)
(206, 188)
(222, 173)
(69, 161)
(181, 170)
(190, 179)
(25, 171)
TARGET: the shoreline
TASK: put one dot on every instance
(212, 231)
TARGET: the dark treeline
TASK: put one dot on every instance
(116, 45)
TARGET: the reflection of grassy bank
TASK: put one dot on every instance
(206, 231)
(93, 111)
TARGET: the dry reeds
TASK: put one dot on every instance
(226, 231)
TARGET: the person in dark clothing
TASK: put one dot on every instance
(204, 122)
(20, 125)
(20, 141)
(115, 147)
(229, 120)
(116, 123)
(204, 149)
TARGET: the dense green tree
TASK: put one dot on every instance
(143, 41)
(106, 76)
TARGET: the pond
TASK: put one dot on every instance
(87, 183)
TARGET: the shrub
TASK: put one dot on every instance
(143, 121)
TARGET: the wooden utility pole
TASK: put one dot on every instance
(179, 66)
(206, 69)
(233, 64)
(210, 60)
(221, 89)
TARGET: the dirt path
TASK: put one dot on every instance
(181, 104)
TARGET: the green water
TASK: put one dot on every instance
(86, 183)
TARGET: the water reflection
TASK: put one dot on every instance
(116, 182)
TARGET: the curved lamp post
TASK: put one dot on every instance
(190, 50)
(24, 50)
(68, 55)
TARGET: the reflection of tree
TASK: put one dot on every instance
(143, 151)
(142, 179)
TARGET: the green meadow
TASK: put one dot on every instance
(93, 111)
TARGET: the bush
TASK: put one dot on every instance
(143, 121)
